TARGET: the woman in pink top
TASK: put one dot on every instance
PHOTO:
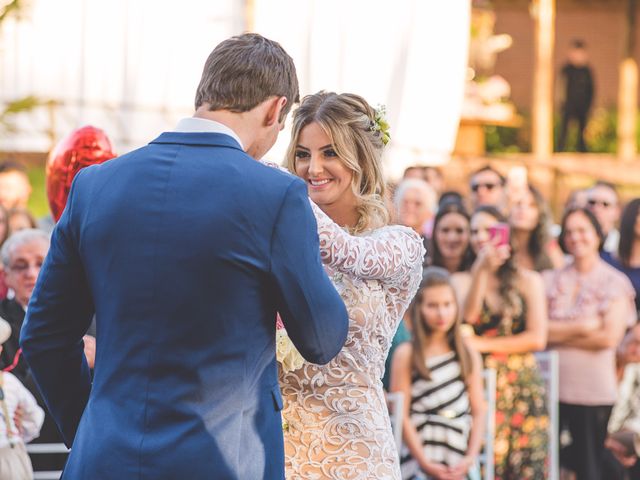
(590, 305)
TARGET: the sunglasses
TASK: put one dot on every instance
(489, 186)
(602, 203)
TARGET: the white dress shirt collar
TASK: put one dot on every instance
(193, 124)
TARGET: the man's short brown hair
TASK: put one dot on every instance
(244, 71)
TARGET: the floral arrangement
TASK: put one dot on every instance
(286, 352)
(380, 124)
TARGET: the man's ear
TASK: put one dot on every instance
(274, 110)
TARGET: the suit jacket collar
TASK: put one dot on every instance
(206, 139)
(197, 124)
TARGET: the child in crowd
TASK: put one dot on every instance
(441, 378)
(14, 460)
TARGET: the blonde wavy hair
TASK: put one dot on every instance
(347, 119)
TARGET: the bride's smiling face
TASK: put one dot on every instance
(317, 163)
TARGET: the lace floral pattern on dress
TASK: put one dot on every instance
(338, 426)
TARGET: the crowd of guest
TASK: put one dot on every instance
(522, 285)
(24, 243)
(499, 286)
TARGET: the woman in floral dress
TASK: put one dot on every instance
(506, 306)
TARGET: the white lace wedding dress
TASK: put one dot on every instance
(335, 416)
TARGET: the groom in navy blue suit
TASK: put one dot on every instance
(185, 249)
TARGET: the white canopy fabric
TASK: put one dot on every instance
(409, 55)
(131, 67)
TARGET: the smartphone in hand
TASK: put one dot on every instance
(499, 234)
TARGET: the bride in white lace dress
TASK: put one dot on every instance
(335, 416)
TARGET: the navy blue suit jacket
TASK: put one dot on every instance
(184, 249)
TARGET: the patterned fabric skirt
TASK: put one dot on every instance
(522, 420)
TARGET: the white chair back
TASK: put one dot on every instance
(548, 367)
(486, 457)
(38, 448)
(395, 404)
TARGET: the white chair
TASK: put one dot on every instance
(548, 367)
(486, 457)
(36, 448)
(395, 404)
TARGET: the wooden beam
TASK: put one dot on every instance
(543, 12)
(627, 110)
(249, 15)
(628, 90)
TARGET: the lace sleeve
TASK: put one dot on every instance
(391, 254)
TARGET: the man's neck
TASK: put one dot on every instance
(240, 123)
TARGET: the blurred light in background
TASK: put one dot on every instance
(131, 67)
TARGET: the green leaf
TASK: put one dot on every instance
(22, 105)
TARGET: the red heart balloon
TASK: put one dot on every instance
(81, 148)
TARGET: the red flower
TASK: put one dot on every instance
(517, 419)
(500, 357)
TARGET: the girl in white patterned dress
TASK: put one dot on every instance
(336, 420)
(441, 378)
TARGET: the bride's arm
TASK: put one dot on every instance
(392, 255)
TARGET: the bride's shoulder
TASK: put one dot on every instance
(396, 231)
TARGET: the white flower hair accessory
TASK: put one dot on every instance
(380, 124)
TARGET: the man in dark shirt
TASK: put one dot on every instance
(578, 79)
